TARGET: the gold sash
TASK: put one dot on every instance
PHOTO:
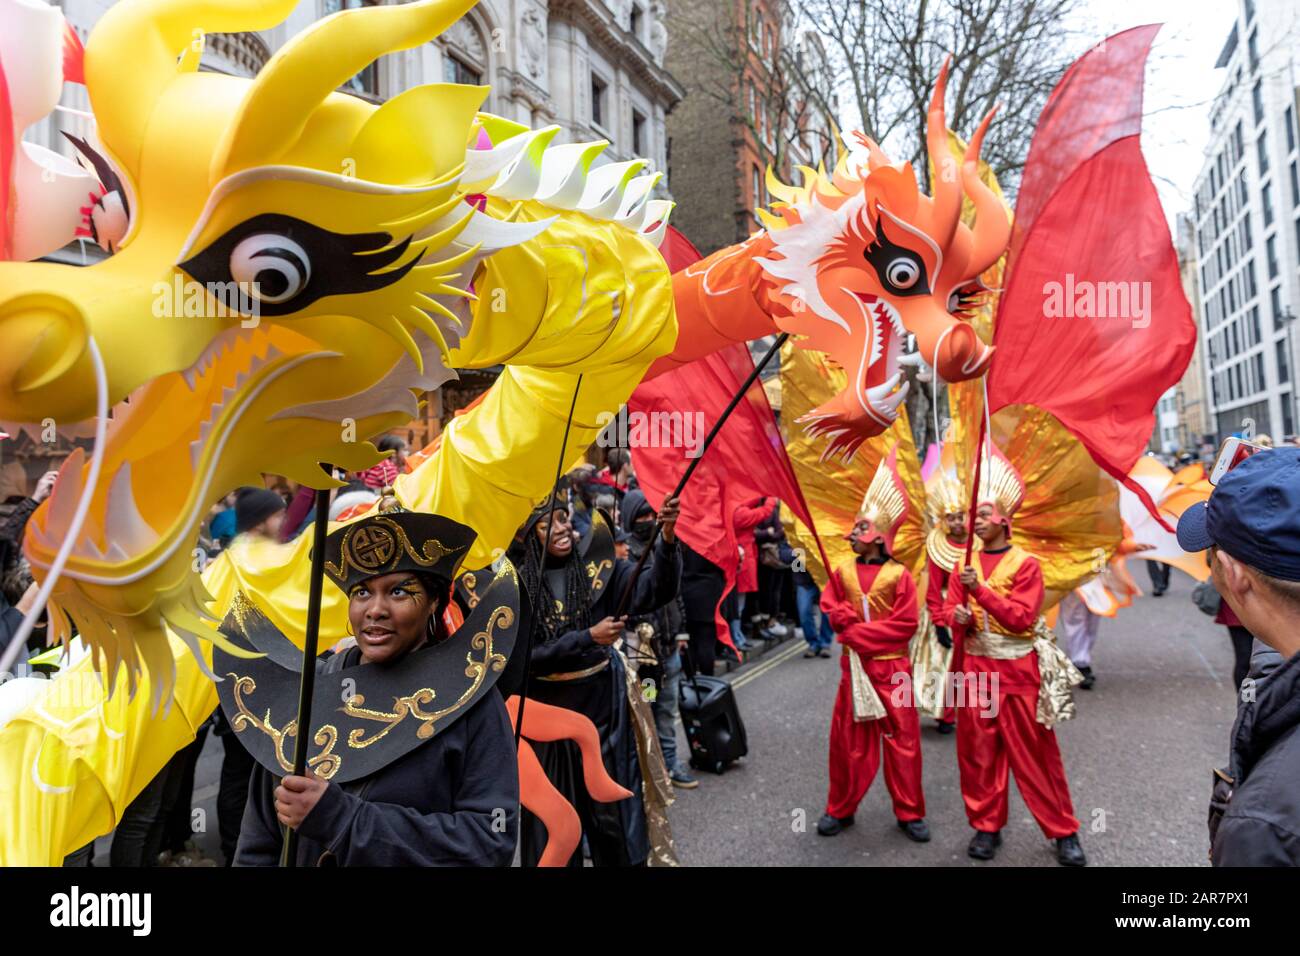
(1057, 675)
(575, 675)
(930, 661)
(656, 785)
(867, 704)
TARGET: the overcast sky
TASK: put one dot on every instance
(1181, 82)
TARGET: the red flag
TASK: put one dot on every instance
(678, 251)
(1093, 325)
(746, 461)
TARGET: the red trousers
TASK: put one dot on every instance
(990, 745)
(856, 745)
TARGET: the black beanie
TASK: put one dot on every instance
(255, 505)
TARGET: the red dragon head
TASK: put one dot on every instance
(862, 259)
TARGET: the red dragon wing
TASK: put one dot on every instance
(1093, 325)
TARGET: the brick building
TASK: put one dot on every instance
(740, 114)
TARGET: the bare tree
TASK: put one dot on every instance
(887, 54)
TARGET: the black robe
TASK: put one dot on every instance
(616, 832)
(452, 801)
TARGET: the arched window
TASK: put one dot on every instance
(465, 52)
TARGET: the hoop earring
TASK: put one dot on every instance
(348, 628)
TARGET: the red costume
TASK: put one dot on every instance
(874, 608)
(745, 519)
(936, 588)
(998, 730)
(880, 638)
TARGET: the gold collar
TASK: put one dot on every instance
(943, 552)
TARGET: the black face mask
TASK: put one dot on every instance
(643, 530)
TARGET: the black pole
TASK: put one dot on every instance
(626, 596)
(289, 855)
(546, 547)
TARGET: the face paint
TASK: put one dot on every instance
(389, 616)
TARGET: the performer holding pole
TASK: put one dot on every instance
(412, 762)
(945, 544)
(570, 587)
(872, 605)
(994, 606)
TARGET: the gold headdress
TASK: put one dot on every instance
(945, 494)
(885, 504)
(1000, 484)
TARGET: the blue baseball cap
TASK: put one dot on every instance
(1253, 514)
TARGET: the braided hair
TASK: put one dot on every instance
(439, 590)
(548, 621)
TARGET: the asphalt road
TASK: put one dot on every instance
(1138, 755)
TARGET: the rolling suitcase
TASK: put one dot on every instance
(714, 729)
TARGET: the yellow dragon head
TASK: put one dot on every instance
(289, 268)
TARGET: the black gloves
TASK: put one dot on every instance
(944, 637)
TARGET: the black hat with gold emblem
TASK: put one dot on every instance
(363, 716)
(396, 541)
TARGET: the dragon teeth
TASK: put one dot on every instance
(87, 549)
(123, 524)
(63, 500)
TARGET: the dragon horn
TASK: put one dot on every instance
(992, 228)
(945, 187)
(133, 51)
(875, 155)
(314, 64)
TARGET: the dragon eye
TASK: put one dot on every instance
(288, 263)
(902, 272)
(108, 217)
(275, 267)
